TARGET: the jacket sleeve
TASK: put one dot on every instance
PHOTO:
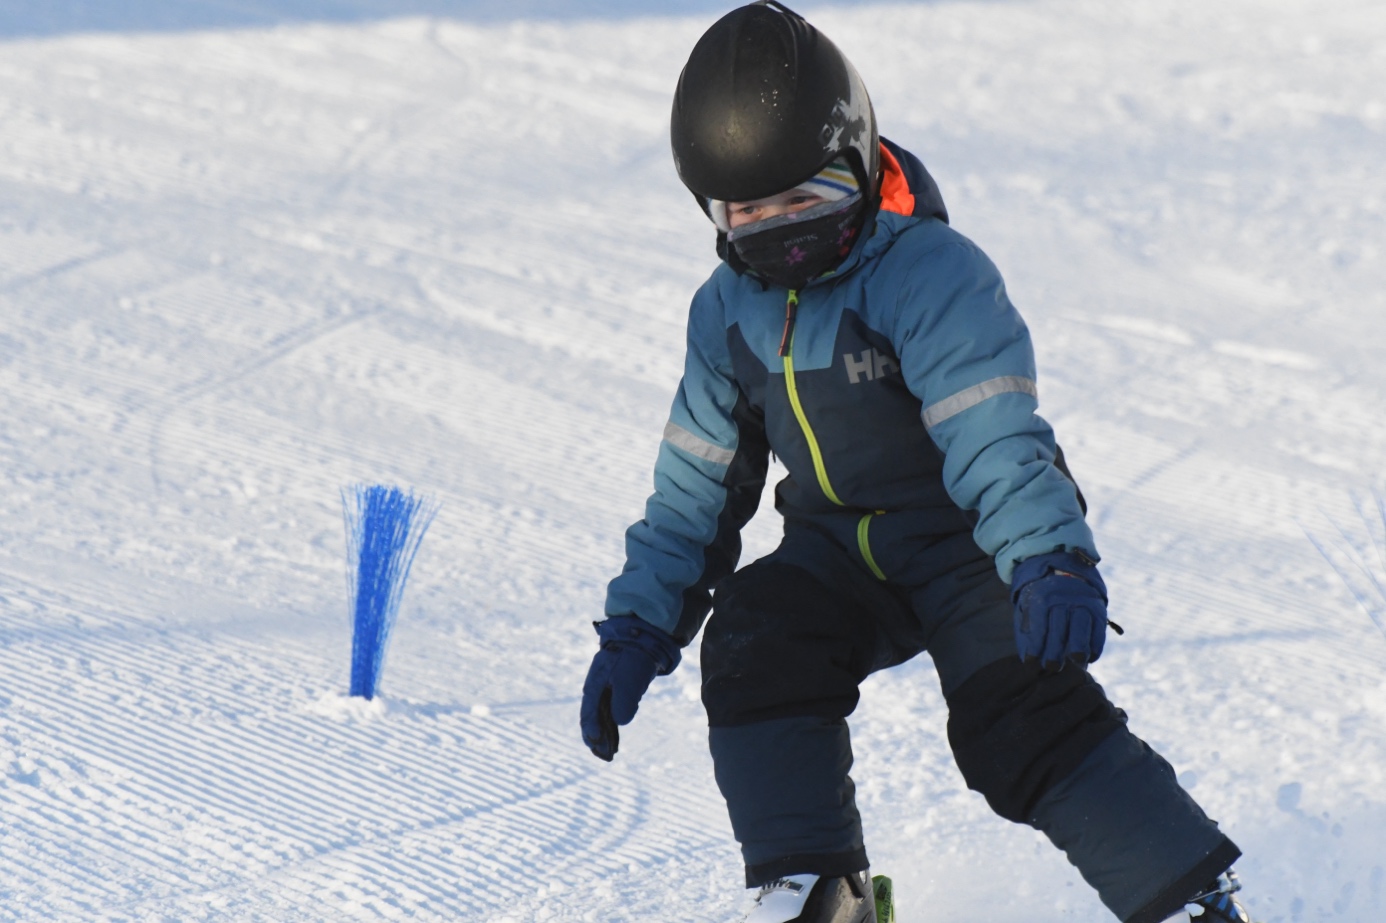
(966, 354)
(707, 483)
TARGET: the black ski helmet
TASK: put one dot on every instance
(765, 102)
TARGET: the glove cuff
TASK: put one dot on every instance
(1075, 564)
(628, 631)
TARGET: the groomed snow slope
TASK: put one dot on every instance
(240, 269)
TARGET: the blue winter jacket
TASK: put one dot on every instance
(899, 392)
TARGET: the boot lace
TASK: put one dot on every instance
(1216, 900)
(779, 884)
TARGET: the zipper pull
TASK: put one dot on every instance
(791, 305)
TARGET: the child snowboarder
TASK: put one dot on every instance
(852, 332)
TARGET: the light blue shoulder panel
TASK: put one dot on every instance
(966, 354)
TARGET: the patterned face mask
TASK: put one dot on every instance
(792, 250)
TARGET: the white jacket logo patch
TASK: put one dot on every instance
(871, 362)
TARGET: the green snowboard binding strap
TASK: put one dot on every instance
(884, 892)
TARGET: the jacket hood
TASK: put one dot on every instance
(906, 187)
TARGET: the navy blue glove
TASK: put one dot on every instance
(633, 652)
(1060, 609)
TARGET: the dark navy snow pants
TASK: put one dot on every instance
(793, 635)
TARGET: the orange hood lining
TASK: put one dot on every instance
(895, 189)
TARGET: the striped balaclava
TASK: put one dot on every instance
(792, 250)
(833, 183)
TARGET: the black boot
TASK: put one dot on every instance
(811, 899)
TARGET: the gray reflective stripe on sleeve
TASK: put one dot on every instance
(696, 445)
(968, 398)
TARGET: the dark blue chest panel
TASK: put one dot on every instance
(874, 450)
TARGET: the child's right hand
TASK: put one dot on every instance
(633, 653)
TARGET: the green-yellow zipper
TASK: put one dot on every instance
(787, 351)
(819, 468)
(864, 544)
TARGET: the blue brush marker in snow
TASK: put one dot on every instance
(384, 526)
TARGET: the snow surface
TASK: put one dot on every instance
(251, 253)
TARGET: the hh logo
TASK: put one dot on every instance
(871, 362)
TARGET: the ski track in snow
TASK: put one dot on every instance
(242, 810)
(243, 268)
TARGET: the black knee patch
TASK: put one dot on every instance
(781, 644)
(1017, 731)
